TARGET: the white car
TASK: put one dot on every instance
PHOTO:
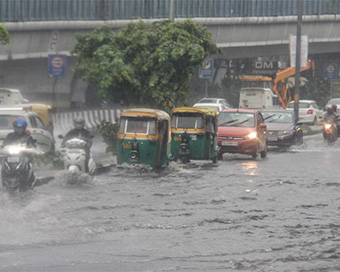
(206, 100)
(45, 141)
(333, 101)
(216, 106)
(309, 112)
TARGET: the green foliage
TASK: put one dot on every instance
(50, 158)
(109, 133)
(4, 36)
(316, 89)
(143, 64)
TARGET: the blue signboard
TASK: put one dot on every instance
(206, 71)
(330, 71)
(57, 65)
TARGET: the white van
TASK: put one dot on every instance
(258, 98)
(11, 97)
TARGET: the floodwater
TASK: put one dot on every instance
(276, 214)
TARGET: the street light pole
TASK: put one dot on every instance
(299, 4)
(171, 13)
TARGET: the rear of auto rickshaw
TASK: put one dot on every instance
(144, 137)
(194, 134)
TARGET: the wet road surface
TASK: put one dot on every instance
(276, 214)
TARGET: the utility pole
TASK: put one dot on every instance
(299, 4)
(171, 12)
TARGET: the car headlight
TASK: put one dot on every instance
(251, 136)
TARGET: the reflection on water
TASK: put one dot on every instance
(250, 168)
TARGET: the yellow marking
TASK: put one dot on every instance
(128, 146)
(137, 136)
(189, 130)
(177, 138)
(139, 114)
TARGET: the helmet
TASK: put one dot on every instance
(78, 122)
(334, 107)
(19, 125)
(330, 110)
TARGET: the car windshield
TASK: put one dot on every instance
(6, 121)
(302, 105)
(137, 125)
(278, 117)
(334, 101)
(236, 119)
(187, 120)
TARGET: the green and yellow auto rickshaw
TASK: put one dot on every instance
(144, 137)
(194, 134)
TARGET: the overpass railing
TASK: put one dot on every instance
(59, 10)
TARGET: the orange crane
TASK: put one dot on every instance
(279, 85)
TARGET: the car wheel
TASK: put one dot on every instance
(299, 141)
(255, 155)
(264, 152)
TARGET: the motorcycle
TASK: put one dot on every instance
(184, 151)
(17, 173)
(74, 156)
(330, 130)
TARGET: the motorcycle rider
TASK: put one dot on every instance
(331, 115)
(79, 131)
(335, 110)
(19, 136)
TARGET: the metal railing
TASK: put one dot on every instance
(74, 10)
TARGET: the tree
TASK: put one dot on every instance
(4, 36)
(143, 64)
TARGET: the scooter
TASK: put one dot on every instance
(184, 151)
(330, 131)
(74, 156)
(17, 173)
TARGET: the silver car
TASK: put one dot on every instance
(209, 100)
(333, 101)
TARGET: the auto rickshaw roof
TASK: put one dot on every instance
(206, 111)
(37, 105)
(137, 112)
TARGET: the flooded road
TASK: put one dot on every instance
(276, 214)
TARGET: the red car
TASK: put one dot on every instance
(242, 131)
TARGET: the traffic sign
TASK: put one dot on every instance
(303, 51)
(206, 71)
(57, 65)
(330, 71)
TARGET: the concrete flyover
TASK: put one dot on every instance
(237, 37)
(23, 63)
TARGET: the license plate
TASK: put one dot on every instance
(13, 159)
(272, 138)
(230, 143)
